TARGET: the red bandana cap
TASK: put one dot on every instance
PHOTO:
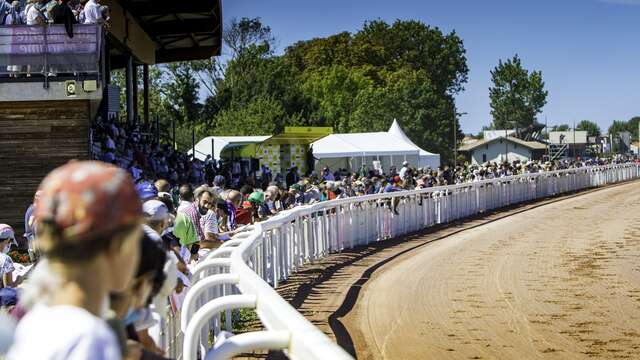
(86, 199)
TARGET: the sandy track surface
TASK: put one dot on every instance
(560, 281)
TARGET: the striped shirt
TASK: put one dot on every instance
(190, 210)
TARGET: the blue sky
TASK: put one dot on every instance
(588, 50)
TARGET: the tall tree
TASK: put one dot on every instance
(261, 116)
(618, 126)
(632, 126)
(590, 127)
(240, 34)
(182, 89)
(405, 70)
(561, 127)
(517, 96)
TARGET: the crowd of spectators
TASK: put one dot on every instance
(43, 12)
(118, 239)
(67, 12)
(135, 147)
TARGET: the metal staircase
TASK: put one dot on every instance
(557, 151)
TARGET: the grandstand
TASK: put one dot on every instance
(46, 112)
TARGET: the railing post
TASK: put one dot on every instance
(45, 65)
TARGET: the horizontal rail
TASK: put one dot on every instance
(257, 260)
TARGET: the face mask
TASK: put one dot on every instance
(132, 316)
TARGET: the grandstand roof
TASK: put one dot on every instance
(181, 30)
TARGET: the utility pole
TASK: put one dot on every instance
(173, 126)
(455, 140)
(193, 141)
(574, 139)
(546, 129)
(506, 145)
(455, 137)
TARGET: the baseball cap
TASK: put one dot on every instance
(87, 199)
(218, 180)
(257, 197)
(6, 232)
(146, 190)
(155, 210)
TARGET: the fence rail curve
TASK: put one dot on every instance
(258, 260)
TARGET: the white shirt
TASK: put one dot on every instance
(63, 333)
(209, 223)
(183, 205)
(403, 171)
(6, 264)
(92, 12)
(32, 15)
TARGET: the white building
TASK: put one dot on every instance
(495, 149)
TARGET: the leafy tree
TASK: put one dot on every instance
(262, 116)
(618, 126)
(590, 127)
(561, 127)
(409, 97)
(157, 99)
(240, 35)
(361, 82)
(334, 92)
(517, 96)
(632, 126)
(182, 88)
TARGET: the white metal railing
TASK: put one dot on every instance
(244, 271)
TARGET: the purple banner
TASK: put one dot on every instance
(53, 39)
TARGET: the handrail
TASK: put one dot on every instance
(38, 50)
(239, 344)
(204, 313)
(199, 288)
(272, 249)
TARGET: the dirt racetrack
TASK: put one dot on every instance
(560, 281)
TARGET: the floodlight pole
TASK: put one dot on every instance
(455, 140)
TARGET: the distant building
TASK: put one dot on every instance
(568, 137)
(496, 150)
(568, 144)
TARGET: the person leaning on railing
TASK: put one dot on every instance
(62, 14)
(10, 13)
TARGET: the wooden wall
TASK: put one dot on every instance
(36, 137)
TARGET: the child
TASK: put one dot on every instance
(89, 229)
(7, 238)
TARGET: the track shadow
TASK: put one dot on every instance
(305, 283)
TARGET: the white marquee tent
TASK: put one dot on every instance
(390, 148)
